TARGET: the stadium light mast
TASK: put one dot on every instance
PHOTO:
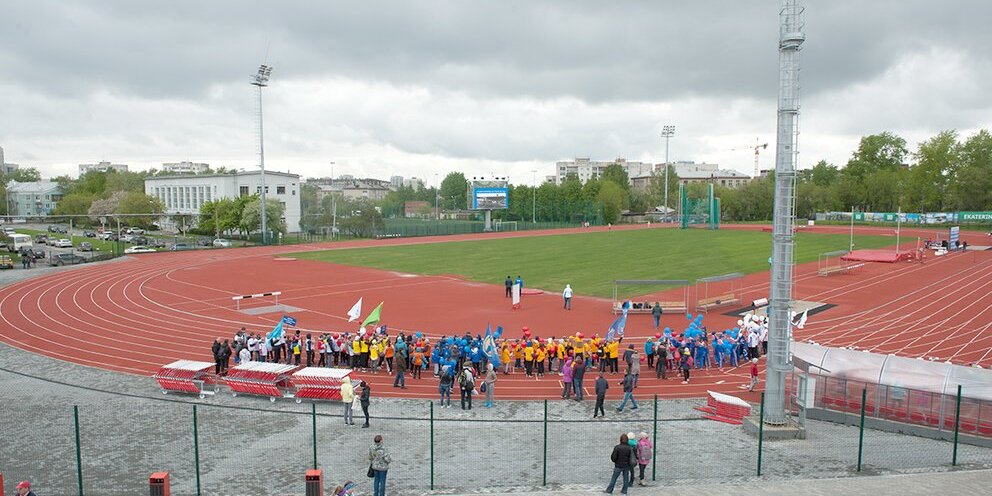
(791, 38)
(261, 80)
(667, 132)
(534, 203)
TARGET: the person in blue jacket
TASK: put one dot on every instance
(649, 352)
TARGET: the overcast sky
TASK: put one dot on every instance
(486, 88)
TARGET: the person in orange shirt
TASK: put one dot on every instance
(389, 356)
(418, 362)
(614, 350)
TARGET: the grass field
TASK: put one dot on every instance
(591, 261)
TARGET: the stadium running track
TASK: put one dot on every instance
(138, 314)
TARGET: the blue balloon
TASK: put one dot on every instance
(688, 316)
(419, 334)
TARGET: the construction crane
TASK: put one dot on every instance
(757, 147)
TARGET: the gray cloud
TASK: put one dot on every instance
(522, 66)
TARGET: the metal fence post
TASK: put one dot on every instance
(654, 441)
(957, 426)
(79, 459)
(544, 478)
(432, 445)
(761, 430)
(313, 417)
(196, 450)
(861, 429)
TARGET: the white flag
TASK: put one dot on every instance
(356, 311)
(802, 320)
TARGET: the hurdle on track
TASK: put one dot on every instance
(237, 299)
(672, 305)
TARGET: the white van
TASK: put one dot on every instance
(18, 241)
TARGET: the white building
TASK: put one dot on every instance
(37, 198)
(586, 169)
(185, 194)
(691, 172)
(185, 167)
(101, 167)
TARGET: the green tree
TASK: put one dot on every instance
(876, 152)
(824, 174)
(611, 198)
(123, 181)
(615, 173)
(74, 204)
(136, 202)
(251, 216)
(926, 184)
(219, 216)
(970, 186)
(366, 222)
(454, 189)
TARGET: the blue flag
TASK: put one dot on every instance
(617, 327)
(277, 331)
(289, 320)
(489, 345)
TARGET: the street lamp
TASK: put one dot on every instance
(667, 132)
(534, 208)
(261, 80)
(334, 206)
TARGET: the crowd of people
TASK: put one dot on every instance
(463, 360)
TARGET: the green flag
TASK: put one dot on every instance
(373, 317)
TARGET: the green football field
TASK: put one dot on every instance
(591, 261)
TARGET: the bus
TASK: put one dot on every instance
(17, 241)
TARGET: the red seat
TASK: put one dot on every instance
(917, 417)
(985, 430)
(933, 420)
(969, 426)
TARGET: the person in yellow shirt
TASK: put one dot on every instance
(542, 356)
(518, 355)
(529, 359)
(504, 355)
(374, 357)
(614, 350)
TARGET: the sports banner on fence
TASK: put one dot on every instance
(974, 216)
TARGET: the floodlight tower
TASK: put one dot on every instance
(667, 132)
(791, 38)
(261, 80)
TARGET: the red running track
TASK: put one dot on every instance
(136, 315)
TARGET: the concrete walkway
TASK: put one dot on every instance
(965, 482)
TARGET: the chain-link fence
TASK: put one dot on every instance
(89, 441)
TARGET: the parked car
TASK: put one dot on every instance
(8, 230)
(139, 249)
(61, 243)
(89, 234)
(32, 252)
(135, 230)
(53, 229)
(222, 243)
(139, 240)
(6, 262)
(41, 239)
(181, 247)
(85, 246)
(204, 242)
(157, 243)
(127, 238)
(66, 259)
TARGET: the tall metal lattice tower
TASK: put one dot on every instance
(261, 80)
(791, 38)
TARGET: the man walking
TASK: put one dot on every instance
(628, 392)
(509, 286)
(567, 295)
(601, 386)
(656, 313)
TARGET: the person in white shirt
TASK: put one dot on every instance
(752, 344)
(253, 346)
(567, 294)
(244, 355)
(263, 350)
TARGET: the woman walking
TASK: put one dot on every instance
(566, 380)
(348, 398)
(644, 453)
(444, 387)
(379, 463)
(490, 383)
(685, 364)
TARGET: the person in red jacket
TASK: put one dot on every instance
(754, 374)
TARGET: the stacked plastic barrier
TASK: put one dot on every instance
(261, 379)
(318, 383)
(186, 376)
